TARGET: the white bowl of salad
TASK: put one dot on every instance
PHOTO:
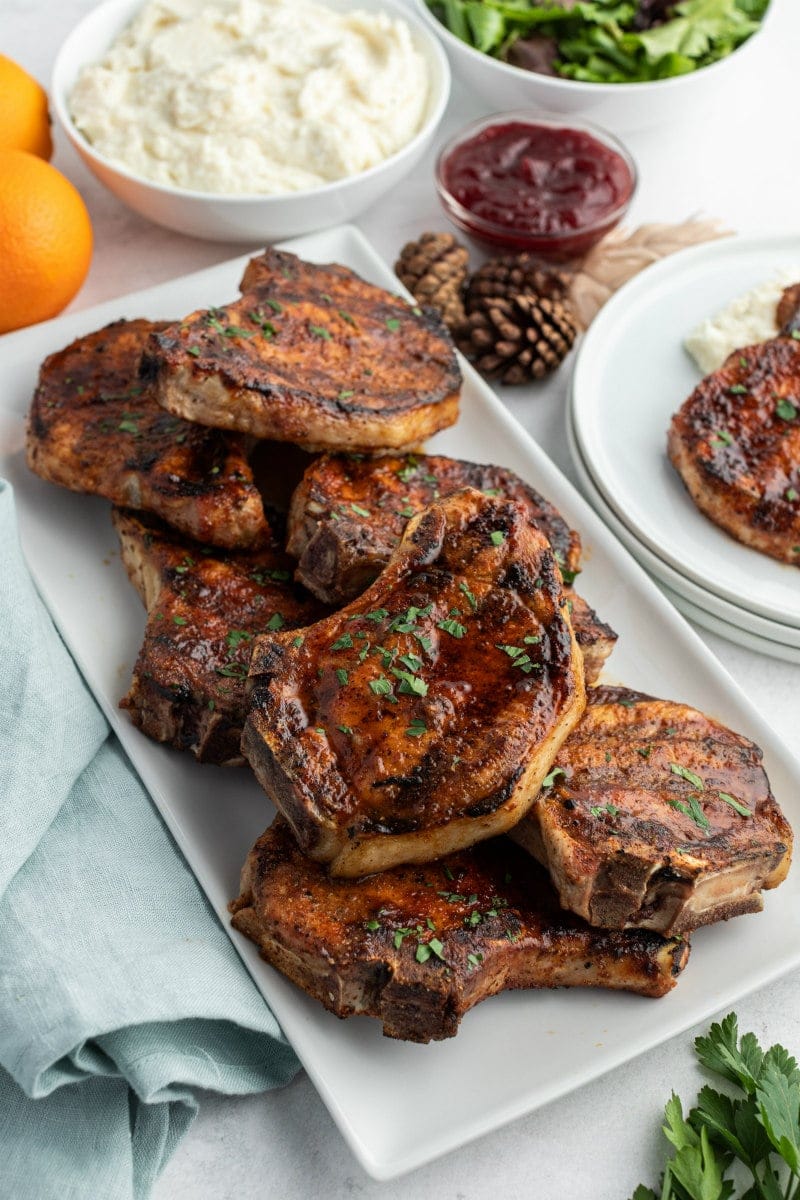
(627, 64)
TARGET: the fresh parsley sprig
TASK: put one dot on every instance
(750, 1129)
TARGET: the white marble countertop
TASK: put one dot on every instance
(737, 162)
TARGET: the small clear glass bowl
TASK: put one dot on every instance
(560, 246)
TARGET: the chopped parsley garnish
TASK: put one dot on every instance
(346, 316)
(689, 776)
(341, 675)
(276, 622)
(474, 960)
(193, 350)
(381, 686)
(346, 729)
(645, 751)
(393, 324)
(277, 576)
(320, 331)
(722, 438)
(473, 603)
(372, 925)
(692, 810)
(128, 426)
(786, 410)
(735, 804)
(410, 684)
(236, 636)
(407, 512)
(519, 658)
(497, 537)
(359, 511)
(298, 641)
(345, 642)
(454, 628)
(601, 810)
(232, 670)
(738, 389)
(407, 473)
(416, 728)
(274, 305)
(378, 615)
(179, 620)
(550, 779)
(346, 394)
(791, 494)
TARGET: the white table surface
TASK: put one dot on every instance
(738, 162)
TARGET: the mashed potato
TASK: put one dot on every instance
(252, 96)
(748, 319)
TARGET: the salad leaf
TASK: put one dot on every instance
(599, 41)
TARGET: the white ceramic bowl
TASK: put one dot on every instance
(254, 218)
(619, 107)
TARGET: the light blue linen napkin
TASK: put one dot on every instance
(119, 991)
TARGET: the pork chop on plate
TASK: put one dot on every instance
(94, 426)
(658, 817)
(424, 716)
(348, 515)
(418, 946)
(312, 355)
(205, 608)
(736, 444)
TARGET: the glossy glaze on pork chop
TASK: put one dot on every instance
(205, 608)
(312, 355)
(657, 817)
(418, 946)
(95, 427)
(736, 444)
(424, 716)
(349, 513)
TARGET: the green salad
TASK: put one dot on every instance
(604, 41)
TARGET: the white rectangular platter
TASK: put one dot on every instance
(399, 1105)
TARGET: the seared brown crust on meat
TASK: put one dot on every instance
(418, 946)
(595, 638)
(348, 514)
(736, 444)
(312, 355)
(640, 826)
(204, 609)
(424, 716)
(95, 427)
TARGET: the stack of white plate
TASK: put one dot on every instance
(631, 374)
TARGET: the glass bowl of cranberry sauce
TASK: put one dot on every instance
(548, 185)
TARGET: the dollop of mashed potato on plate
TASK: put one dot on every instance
(252, 97)
(748, 319)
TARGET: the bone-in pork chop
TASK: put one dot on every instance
(204, 608)
(95, 427)
(418, 946)
(736, 444)
(658, 817)
(348, 515)
(311, 355)
(424, 716)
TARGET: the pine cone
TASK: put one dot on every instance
(434, 269)
(515, 275)
(517, 339)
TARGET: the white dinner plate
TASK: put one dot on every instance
(780, 641)
(733, 633)
(632, 373)
(399, 1105)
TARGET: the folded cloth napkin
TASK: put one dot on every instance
(119, 991)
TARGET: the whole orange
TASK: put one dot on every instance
(45, 240)
(24, 119)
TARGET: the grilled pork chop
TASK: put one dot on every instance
(204, 609)
(736, 444)
(424, 716)
(418, 946)
(312, 355)
(348, 515)
(94, 427)
(658, 817)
